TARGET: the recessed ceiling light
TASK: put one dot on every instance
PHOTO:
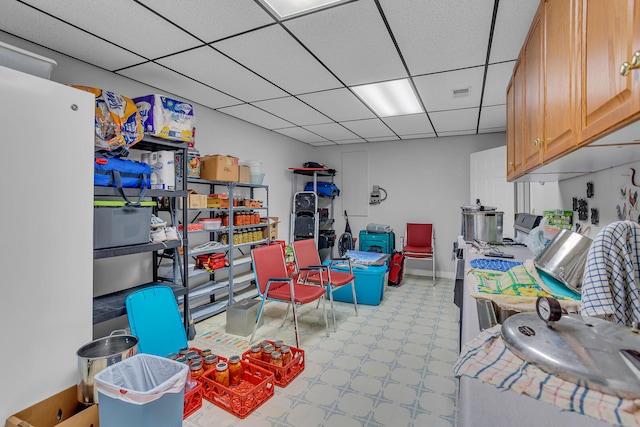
(287, 8)
(392, 98)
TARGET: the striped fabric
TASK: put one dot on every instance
(488, 359)
(611, 279)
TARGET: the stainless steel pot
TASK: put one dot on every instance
(99, 354)
(485, 226)
(564, 258)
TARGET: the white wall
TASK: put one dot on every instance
(607, 194)
(427, 180)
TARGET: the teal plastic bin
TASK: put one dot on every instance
(370, 283)
(142, 391)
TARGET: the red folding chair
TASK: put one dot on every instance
(274, 285)
(311, 270)
(419, 243)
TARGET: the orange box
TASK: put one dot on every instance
(283, 375)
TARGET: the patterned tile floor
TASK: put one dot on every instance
(390, 366)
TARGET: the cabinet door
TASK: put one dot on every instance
(511, 132)
(561, 56)
(518, 120)
(610, 36)
(533, 93)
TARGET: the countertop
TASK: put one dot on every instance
(483, 404)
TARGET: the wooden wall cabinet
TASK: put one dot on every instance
(610, 36)
(572, 58)
(533, 60)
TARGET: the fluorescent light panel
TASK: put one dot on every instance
(393, 98)
(287, 8)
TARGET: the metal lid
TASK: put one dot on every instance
(589, 352)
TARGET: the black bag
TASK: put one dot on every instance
(396, 269)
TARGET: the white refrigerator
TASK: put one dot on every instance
(46, 183)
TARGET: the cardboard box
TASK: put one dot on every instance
(195, 200)
(244, 174)
(213, 202)
(219, 168)
(61, 410)
(271, 230)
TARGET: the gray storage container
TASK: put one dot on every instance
(115, 224)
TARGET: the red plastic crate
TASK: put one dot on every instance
(283, 375)
(257, 387)
(192, 400)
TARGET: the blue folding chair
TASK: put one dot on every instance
(154, 318)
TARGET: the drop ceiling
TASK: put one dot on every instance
(293, 76)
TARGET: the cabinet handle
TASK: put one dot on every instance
(510, 163)
(626, 67)
(537, 142)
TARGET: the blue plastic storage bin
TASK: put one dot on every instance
(142, 391)
(370, 283)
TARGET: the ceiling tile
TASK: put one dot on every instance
(214, 69)
(419, 135)
(494, 117)
(409, 124)
(383, 139)
(331, 131)
(266, 52)
(302, 135)
(255, 115)
(212, 21)
(455, 120)
(338, 104)
(350, 141)
(495, 88)
(436, 35)
(436, 90)
(56, 35)
(174, 83)
(369, 128)
(293, 110)
(512, 25)
(458, 132)
(122, 22)
(320, 144)
(351, 40)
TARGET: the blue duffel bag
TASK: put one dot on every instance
(327, 189)
(122, 173)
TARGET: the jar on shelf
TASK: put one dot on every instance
(235, 370)
(221, 375)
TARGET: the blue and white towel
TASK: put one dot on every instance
(611, 279)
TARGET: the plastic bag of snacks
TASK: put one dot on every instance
(118, 123)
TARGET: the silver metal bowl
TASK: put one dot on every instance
(564, 258)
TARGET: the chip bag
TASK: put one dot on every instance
(118, 123)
